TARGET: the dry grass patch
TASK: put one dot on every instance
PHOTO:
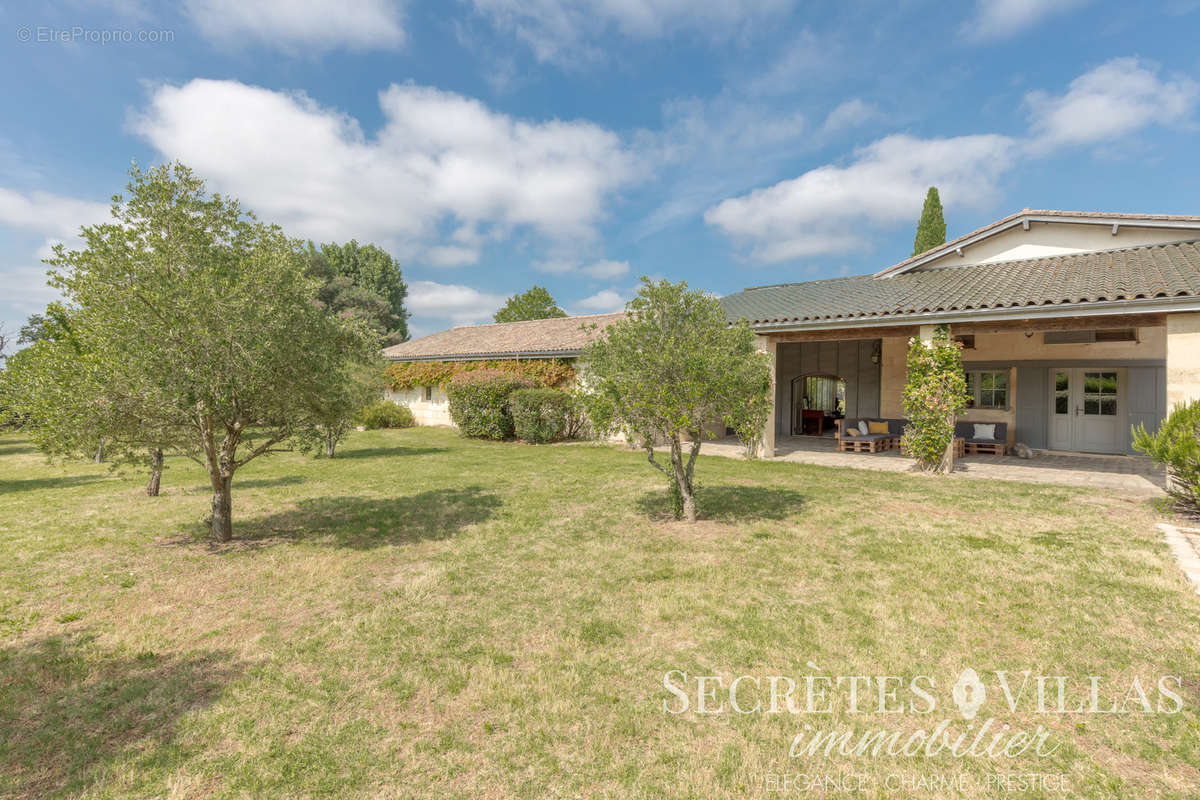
(434, 617)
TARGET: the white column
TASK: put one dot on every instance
(1183, 358)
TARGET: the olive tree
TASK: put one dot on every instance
(333, 413)
(205, 316)
(670, 371)
(73, 405)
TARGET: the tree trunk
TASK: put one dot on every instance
(222, 508)
(156, 467)
(330, 445)
(947, 465)
(682, 480)
(99, 457)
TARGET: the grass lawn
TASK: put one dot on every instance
(425, 616)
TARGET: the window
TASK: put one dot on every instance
(1062, 392)
(1100, 394)
(967, 340)
(1088, 337)
(987, 389)
(427, 394)
(824, 392)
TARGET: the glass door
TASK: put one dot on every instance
(1085, 410)
(1062, 409)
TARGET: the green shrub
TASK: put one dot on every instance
(543, 415)
(479, 402)
(1176, 445)
(386, 414)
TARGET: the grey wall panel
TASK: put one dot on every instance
(1033, 405)
(847, 369)
(1146, 398)
(850, 360)
(868, 388)
(827, 358)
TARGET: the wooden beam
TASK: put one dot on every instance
(1005, 326)
(1063, 324)
(845, 334)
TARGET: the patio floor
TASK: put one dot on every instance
(1129, 476)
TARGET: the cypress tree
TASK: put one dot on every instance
(931, 230)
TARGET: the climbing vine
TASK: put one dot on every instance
(409, 374)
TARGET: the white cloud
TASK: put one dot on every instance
(807, 59)
(461, 305)
(312, 25)
(709, 150)
(602, 302)
(850, 114)
(49, 213)
(565, 31)
(1108, 102)
(998, 19)
(599, 270)
(606, 270)
(831, 208)
(452, 255)
(438, 158)
(556, 266)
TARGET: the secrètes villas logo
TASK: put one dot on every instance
(961, 709)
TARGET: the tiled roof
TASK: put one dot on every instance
(1132, 273)
(539, 338)
(1066, 216)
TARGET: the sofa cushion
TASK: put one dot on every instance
(863, 428)
(984, 431)
(878, 427)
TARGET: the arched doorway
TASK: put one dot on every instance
(817, 400)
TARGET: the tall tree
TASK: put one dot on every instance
(670, 370)
(372, 268)
(205, 316)
(931, 230)
(535, 303)
(342, 296)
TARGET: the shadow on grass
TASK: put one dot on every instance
(387, 452)
(33, 484)
(365, 522)
(18, 447)
(266, 483)
(71, 710)
(730, 503)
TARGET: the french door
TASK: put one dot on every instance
(1087, 409)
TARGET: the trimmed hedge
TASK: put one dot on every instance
(542, 415)
(479, 402)
(386, 414)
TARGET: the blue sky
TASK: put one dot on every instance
(493, 144)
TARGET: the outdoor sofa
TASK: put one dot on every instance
(973, 436)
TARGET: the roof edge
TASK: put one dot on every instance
(1115, 219)
(1106, 308)
(503, 355)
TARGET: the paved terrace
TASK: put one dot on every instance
(1128, 476)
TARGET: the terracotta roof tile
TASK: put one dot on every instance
(539, 338)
